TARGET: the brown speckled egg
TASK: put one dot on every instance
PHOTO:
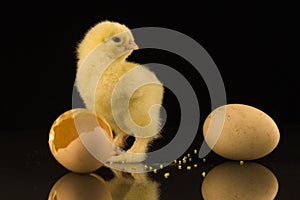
(248, 133)
(234, 181)
(80, 187)
(79, 139)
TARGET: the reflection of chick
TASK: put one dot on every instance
(114, 44)
(127, 188)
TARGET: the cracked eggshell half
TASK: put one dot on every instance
(80, 140)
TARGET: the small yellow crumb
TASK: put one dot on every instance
(189, 155)
(241, 162)
(203, 174)
(195, 165)
(184, 161)
(188, 168)
(179, 162)
(110, 163)
(175, 161)
(179, 167)
(195, 151)
(184, 158)
(150, 167)
(161, 166)
(166, 175)
(190, 159)
(204, 159)
(146, 167)
(155, 171)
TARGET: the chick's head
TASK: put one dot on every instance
(115, 39)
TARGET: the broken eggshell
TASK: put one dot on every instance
(80, 140)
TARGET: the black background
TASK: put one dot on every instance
(253, 45)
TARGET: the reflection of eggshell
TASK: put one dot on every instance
(80, 187)
(234, 181)
(247, 133)
(79, 140)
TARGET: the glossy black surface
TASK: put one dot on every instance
(28, 170)
(252, 43)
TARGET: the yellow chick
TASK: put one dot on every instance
(101, 66)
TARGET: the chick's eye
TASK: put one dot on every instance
(116, 39)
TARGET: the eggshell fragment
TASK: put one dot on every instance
(79, 140)
(248, 133)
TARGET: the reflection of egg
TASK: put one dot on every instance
(234, 181)
(248, 133)
(78, 139)
(80, 187)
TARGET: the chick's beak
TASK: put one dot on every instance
(131, 46)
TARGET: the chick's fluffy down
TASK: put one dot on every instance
(141, 101)
(106, 81)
